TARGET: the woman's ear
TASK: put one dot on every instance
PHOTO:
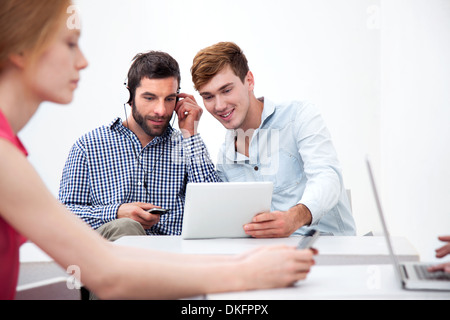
(18, 60)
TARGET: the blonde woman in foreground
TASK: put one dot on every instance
(40, 61)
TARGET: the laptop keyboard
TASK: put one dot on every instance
(423, 273)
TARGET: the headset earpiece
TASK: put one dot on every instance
(178, 98)
(130, 100)
(130, 97)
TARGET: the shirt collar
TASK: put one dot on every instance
(268, 111)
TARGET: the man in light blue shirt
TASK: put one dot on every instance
(287, 144)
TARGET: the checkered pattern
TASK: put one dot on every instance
(108, 167)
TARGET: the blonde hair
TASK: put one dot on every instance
(28, 25)
(211, 60)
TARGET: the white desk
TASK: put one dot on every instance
(332, 250)
(358, 282)
(346, 267)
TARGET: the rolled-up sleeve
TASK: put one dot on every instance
(321, 167)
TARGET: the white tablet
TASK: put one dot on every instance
(220, 210)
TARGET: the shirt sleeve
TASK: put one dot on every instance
(200, 168)
(74, 191)
(321, 167)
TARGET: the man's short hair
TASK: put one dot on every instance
(211, 60)
(151, 65)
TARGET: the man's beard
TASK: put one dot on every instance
(150, 131)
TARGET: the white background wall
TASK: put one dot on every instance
(415, 119)
(378, 70)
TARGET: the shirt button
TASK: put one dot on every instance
(256, 168)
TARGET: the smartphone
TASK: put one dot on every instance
(308, 240)
(158, 211)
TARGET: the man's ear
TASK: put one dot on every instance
(250, 80)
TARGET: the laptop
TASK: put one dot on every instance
(411, 275)
(220, 210)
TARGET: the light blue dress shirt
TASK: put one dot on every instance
(293, 149)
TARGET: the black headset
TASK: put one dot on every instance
(130, 99)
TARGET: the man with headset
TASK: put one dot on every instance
(116, 173)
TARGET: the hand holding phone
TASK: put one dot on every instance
(158, 211)
(308, 240)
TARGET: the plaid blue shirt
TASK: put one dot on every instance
(103, 171)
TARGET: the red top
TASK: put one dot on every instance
(10, 240)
